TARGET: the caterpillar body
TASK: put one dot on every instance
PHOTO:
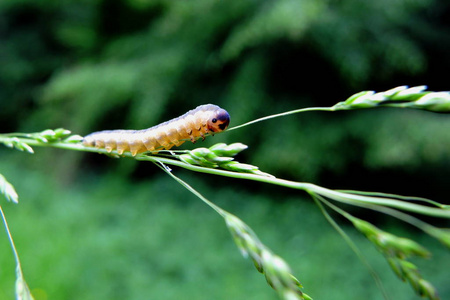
(192, 125)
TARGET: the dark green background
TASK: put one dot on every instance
(92, 227)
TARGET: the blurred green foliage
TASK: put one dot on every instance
(96, 65)
(93, 65)
(111, 238)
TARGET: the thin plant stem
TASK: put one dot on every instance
(319, 200)
(282, 115)
(425, 227)
(10, 238)
(22, 290)
(166, 169)
(405, 198)
(277, 272)
(349, 198)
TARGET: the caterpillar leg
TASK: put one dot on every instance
(121, 145)
(110, 144)
(163, 140)
(135, 147)
(99, 144)
(149, 143)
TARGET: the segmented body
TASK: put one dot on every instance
(192, 125)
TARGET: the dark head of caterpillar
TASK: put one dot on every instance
(219, 122)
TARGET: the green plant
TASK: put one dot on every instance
(218, 160)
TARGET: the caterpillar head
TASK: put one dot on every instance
(219, 120)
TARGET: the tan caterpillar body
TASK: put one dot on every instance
(194, 124)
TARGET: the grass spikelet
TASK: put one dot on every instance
(396, 251)
(220, 156)
(402, 97)
(276, 270)
(8, 190)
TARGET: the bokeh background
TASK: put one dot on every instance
(92, 227)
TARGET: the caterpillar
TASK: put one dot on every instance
(192, 125)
